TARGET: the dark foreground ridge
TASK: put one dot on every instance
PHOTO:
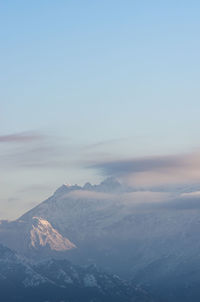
(60, 280)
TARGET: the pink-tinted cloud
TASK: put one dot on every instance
(23, 137)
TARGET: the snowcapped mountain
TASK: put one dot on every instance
(120, 230)
(81, 212)
(34, 236)
(42, 234)
(109, 185)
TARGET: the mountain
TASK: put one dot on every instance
(17, 276)
(55, 280)
(81, 212)
(154, 244)
(33, 236)
(42, 234)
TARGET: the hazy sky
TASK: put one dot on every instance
(88, 82)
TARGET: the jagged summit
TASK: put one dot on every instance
(87, 186)
(111, 181)
(110, 184)
(65, 188)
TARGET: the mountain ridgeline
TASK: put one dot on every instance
(153, 245)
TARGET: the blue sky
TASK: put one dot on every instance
(93, 80)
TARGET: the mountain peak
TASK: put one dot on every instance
(66, 188)
(43, 234)
(87, 186)
(110, 184)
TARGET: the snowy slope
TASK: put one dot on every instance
(43, 234)
(33, 236)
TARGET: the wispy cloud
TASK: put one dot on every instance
(23, 137)
(104, 143)
(155, 170)
(35, 150)
(135, 165)
(139, 200)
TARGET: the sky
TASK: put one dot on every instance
(91, 89)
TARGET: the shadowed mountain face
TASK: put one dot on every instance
(155, 246)
(56, 280)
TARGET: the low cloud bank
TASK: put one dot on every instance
(153, 171)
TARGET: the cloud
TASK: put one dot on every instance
(42, 156)
(135, 165)
(91, 195)
(181, 203)
(104, 143)
(23, 137)
(137, 199)
(152, 171)
(191, 194)
(34, 150)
